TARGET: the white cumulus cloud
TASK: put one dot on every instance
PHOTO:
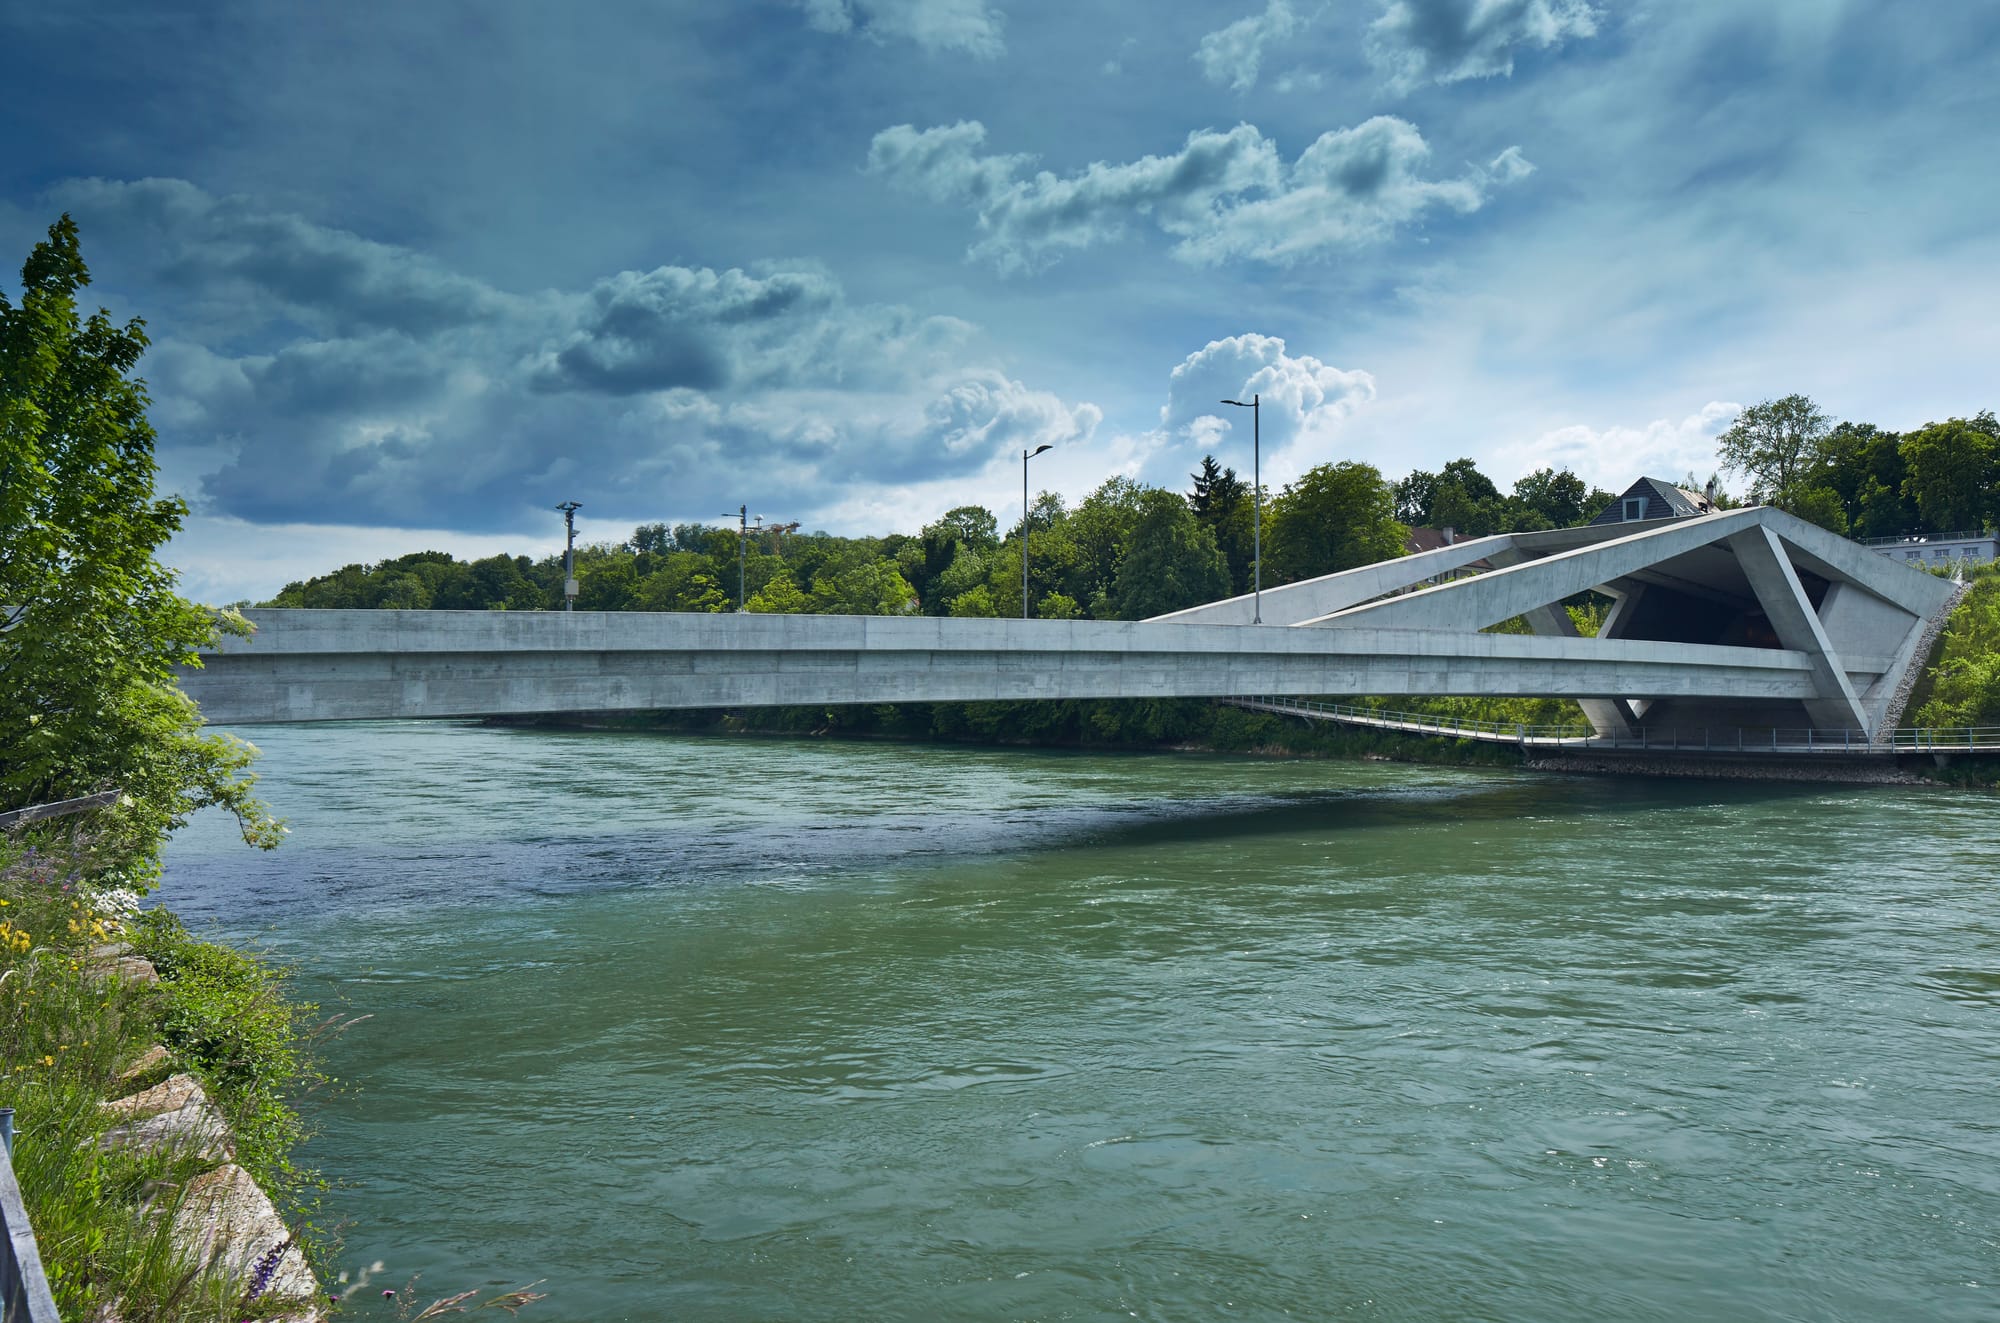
(1301, 402)
(1616, 456)
(1222, 195)
(1233, 55)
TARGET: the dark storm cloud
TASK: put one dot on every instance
(449, 401)
(237, 255)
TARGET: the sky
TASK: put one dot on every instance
(414, 273)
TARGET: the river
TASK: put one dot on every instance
(714, 1029)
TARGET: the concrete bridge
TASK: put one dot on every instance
(1738, 618)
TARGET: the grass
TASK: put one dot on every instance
(68, 1030)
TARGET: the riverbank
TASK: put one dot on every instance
(153, 1077)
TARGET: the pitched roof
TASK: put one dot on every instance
(1662, 500)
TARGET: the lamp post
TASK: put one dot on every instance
(1026, 455)
(569, 509)
(743, 555)
(1257, 500)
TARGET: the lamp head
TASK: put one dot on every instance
(1038, 450)
(1238, 403)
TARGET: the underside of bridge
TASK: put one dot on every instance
(1745, 617)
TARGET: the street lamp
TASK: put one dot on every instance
(1257, 498)
(1026, 455)
(743, 553)
(569, 509)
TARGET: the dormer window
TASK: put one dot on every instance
(1635, 508)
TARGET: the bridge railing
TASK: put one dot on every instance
(1421, 723)
(1940, 739)
(1734, 739)
(24, 1287)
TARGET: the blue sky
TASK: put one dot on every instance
(415, 273)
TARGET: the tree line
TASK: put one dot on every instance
(1860, 481)
(1124, 552)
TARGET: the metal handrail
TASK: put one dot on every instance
(24, 1288)
(1739, 739)
(61, 808)
(1962, 535)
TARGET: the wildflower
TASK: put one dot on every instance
(260, 1280)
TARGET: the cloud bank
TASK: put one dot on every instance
(1223, 196)
(384, 389)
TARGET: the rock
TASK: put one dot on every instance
(173, 1114)
(115, 960)
(136, 969)
(227, 1222)
(152, 1059)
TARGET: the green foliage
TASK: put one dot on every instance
(1170, 561)
(1225, 504)
(1821, 505)
(781, 596)
(857, 583)
(1864, 482)
(226, 1013)
(1335, 517)
(1964, 682)
(92, 628)
(1462, 498)
(68, 1028)
(1951, 471)
(1778, 444)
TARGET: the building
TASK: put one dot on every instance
(1655, 498)
(1939, 549)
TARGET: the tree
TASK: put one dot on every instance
(856, 582)
(93, 629)
(1952, 468)
(1223, 502)
(1414, 496)
(780, 596)
(650, 538)
(1335, 517)
(1778, 444)
(1097, 531)
(973, 525)
(1557, 496)
(1170, 561)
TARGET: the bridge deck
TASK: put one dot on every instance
(344, 665)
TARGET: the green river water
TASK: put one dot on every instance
(711, 1029)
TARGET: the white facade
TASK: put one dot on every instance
(1931, 552)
